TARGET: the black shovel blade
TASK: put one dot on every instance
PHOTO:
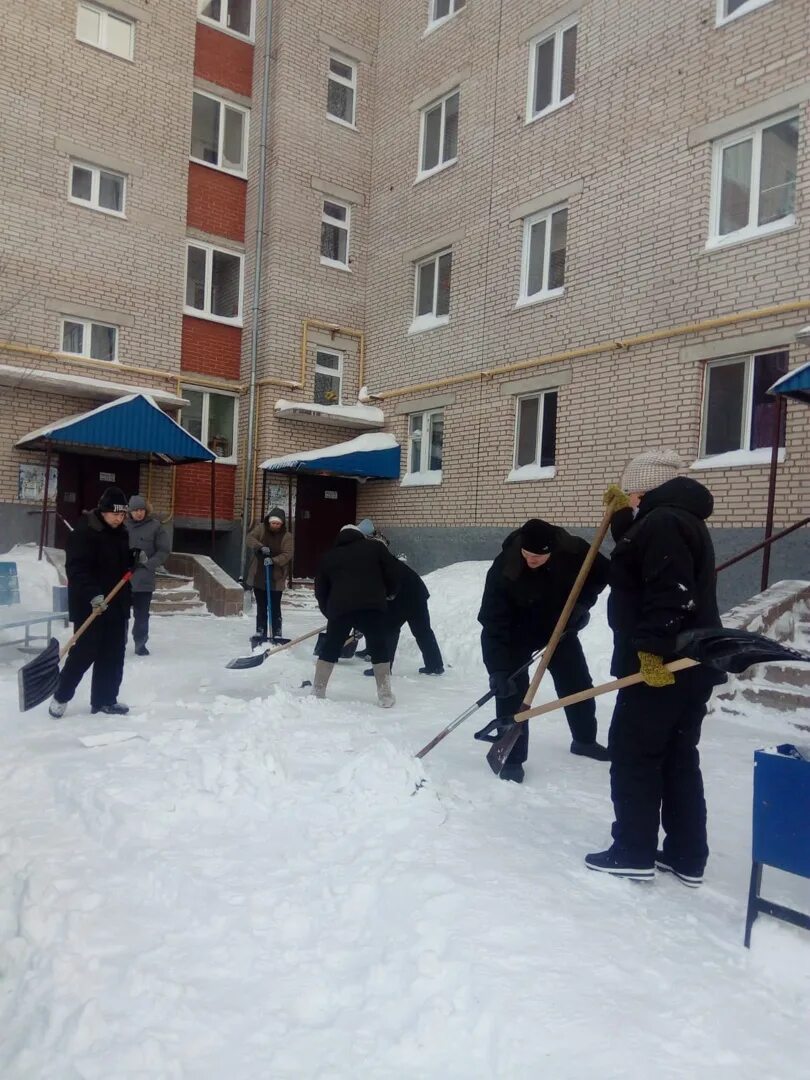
(735, 651)
(37, 680)
(496, 758)
(241, 662)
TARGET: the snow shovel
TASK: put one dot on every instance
(256, 659)
(503, 747)
(37, 680)
(719, 648)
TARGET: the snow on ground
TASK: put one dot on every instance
(236, 881)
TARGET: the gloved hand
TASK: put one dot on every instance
(501, 684)
(578, 619)
(653, 671)
(615, 497)
(268, 561)
(143, 558)
(137, 557)
(264, 551)
(97, 603)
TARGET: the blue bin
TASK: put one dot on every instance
(781, 827)
(9, 584)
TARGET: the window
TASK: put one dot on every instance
(105, 29)
(754, 183)
(328, 377)
(214, 283)
(733, 9)
(341, 90)
(233, 15)
(552, 71)
(95, 341)
(98, 189)
(219, 133)
(738, 412)
(535, 437)
(442, 10)
(211, 418)
(432, 299)
(439, 135)
(543, 267)
(425, 438)
(335, 220)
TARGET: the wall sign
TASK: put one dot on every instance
(31, 483)
(330, 494)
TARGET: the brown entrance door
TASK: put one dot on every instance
(324, 505)
(81, 480)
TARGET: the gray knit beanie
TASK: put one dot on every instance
(651, 469)
(366, 527)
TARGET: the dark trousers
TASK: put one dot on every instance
(261, 612)
(373, 626)
(655, 771)
(102, 645)
(418, 621)
(569, 671)
(140, 617)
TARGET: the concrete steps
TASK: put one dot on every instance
(175, 595)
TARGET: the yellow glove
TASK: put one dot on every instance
(615, 497)
(653, 671)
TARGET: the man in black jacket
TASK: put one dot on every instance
(526, 590)
(98, 556)
(662, 581)
(353, 582)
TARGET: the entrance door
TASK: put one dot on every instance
(324, 505)
(81, 480)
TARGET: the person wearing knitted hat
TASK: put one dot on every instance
(662, 582)
(526, 590)
(97, 557)
(150, 538)
(272, 546)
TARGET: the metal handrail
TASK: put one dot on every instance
(763, 544)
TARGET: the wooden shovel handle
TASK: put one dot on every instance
(597, 691)
(116, 589)
(573, 596)
(295, 641)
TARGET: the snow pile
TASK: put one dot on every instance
(36, 581)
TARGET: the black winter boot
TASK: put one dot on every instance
(118, 708)
(593, 750)
(611, 862)
(512, 771)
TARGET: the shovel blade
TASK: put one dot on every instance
(37, 680)
(241, 662)
(496, 758)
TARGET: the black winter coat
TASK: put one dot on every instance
(356, 574)
(97, 557)
(662, 576)
(412, 593)
(520, 607)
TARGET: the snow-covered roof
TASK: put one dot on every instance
(81, 385)
(375, 454)
(353, 416)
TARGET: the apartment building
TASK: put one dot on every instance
(520, 240)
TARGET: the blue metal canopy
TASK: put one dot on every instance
(368, 456)
(796, 384)
(133, 426)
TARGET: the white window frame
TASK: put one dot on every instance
(557, 102)
(748, 232)
(332, 76)
(207, 392)
(434, 22)
(424, 476)
(441, 103)
(525, 298)
(206, 312)
(430, 321)
(105, 15)
(533, 470)
(332, 372)
(327, 219)
(762, 455)
(751, 5)
(222, 23)
(95, 184)
(87, 332)
(225, 104)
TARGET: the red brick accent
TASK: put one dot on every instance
(211, 348)
(216, 202)
(224, 60)
(192, 497)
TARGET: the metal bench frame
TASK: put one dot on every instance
(49, 617)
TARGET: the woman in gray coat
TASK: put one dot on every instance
(150, 536)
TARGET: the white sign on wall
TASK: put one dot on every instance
(31, 483)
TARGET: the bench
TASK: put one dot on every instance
(34, 618)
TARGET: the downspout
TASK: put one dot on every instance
(250, 464)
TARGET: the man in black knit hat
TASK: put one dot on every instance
(526, 590)
(97, 557)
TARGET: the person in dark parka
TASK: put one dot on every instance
(410, 605)
(526, 590)
(97, 557)
(662, 581)
(352, 585)
(149, 536)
